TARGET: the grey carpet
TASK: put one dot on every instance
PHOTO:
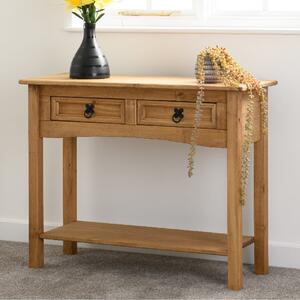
(97, 274)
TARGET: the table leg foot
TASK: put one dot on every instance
(36, 253)
(70, 248)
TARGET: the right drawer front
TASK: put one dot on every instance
(161, 113)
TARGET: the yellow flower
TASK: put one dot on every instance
(89, 11)
(102, 3)
(78, 3)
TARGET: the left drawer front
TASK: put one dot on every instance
(88, 110)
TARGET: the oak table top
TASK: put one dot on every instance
(162, 82)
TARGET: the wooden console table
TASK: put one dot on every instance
(152, 108)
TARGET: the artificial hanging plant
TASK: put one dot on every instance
(89, 61)
(230, 73)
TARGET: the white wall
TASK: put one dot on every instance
(136, 181)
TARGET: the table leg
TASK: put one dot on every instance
(234, 207)
(261, 256)
(70, 188)
(36, 214)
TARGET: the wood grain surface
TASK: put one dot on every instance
(134, 81)
(143, 237)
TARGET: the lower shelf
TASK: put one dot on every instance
(143, 237)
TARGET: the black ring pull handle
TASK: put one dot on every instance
(178, 115)
(89, 110)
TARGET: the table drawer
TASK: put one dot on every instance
(88, 110)
(178, 114)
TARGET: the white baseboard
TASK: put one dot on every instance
(282, 254)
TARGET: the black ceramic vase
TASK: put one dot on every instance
(89, 61)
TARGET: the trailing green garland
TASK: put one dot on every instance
(231, 74)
